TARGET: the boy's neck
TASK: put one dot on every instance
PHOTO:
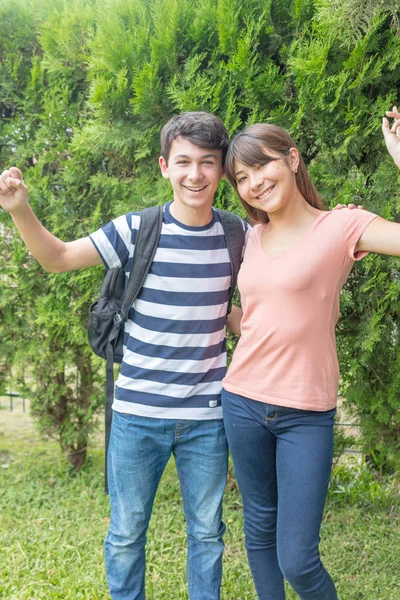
(192, 217)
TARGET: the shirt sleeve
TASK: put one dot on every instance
(115, 241)
(354, 221)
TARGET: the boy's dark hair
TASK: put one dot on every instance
(201, 129)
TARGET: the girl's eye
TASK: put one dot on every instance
(241, 180)
(261, 165)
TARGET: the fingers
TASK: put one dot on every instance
(11, 180)
(16, 173)
(386, 127)
(351, 206)
(395, 128)
(4, 188)
(14, 184)
(389, 131)
(393, 113)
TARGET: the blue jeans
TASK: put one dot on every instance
(139, 450)
(282, 459)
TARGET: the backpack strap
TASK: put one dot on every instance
(235, 236)
(145, 248)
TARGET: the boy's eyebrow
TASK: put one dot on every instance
(203, 156)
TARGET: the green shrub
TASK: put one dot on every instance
(81, 117)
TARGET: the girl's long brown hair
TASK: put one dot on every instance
(251, 146)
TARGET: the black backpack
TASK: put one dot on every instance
(108, 314)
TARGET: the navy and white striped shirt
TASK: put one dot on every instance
(175, 347)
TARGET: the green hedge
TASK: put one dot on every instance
(85, 87)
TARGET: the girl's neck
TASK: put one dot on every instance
(295, 215)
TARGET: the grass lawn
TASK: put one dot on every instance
(53, 522)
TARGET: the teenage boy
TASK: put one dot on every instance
(167, 396)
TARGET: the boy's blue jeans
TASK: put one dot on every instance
(282, 459)
(139, 450)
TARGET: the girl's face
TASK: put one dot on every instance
(268, 186)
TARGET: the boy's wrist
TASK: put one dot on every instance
(20, 211)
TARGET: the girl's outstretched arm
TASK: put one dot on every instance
(383, 236)
(380, 236)
(392, 134)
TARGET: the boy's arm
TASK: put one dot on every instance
(53, 254)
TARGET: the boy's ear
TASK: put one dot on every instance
(164, 167)
(223, 174)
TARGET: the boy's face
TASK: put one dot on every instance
(194, 174)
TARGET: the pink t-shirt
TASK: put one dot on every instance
(286, 354)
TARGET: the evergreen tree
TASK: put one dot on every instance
(85, 87)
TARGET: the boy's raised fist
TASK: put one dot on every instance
(13, 191)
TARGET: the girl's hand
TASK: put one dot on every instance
(351, 206)
(392, 134)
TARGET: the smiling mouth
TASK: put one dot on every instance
(266, 193)
(195, 189)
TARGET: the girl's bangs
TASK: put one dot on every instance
(249, 151)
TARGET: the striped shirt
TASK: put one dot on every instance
(174, 339)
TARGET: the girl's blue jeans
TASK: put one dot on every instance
(282, 459)
(139, 450)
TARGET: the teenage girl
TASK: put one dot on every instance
(280, 391)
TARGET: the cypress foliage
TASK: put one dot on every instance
(85, 87)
